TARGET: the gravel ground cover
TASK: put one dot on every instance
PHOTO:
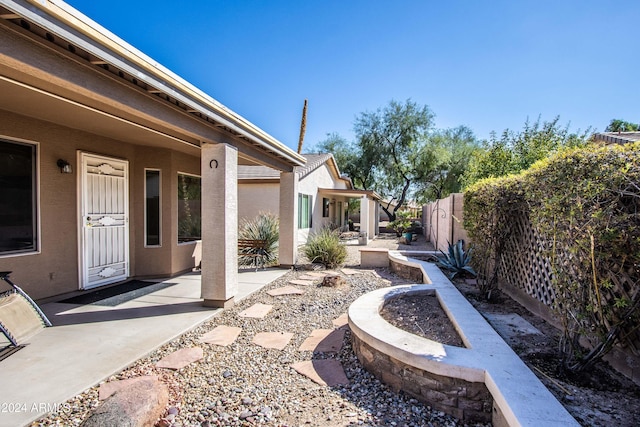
(244, 384)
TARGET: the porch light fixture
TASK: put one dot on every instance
(64, 166)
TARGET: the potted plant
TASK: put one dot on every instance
(402, 225)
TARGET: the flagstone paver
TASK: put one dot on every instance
(309, 277)
(286, 290)
(257, 311)
(317, 274)
(181, 358)
(350, 271)
(302, 282)
(221, 335)
(277, 340)
(341, 321)
(327, 372)
(324, 341)
(331, 273)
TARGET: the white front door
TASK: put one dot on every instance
(104, 216)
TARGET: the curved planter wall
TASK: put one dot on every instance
(466, 400)
(486, 381)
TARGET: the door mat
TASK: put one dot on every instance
(116, 295)
(8, 351)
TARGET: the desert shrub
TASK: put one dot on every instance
(324, 247)
(263, 227)
(489, 208)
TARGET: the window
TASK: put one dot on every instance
(305, 210)
(325, 207)
(152, 208)
(18, 198)
(189, 208)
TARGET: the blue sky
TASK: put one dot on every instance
(488, 65)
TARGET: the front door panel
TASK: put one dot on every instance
(105, 220)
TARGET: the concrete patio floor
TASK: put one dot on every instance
(89, 343)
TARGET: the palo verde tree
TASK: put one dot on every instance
(394, 139)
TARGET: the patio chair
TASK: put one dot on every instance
(20, 316)
(254, 249)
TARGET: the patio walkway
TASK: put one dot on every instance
(89, 343)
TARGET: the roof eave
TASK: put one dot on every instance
(110, 48)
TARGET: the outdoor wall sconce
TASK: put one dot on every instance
(64, 166)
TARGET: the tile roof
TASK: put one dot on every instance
(314, 161)
(617, 137)
(257, 172)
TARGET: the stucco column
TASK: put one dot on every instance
(219, 170)
(288, 246)
(365, 216)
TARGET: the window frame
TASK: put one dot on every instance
(146, 213)
(191, 241)
(36, 209)
(309, 203)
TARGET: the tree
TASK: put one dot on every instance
(617, 125)
(515, 152)
(398, 154)
(454, 148)
(394, 141)
(357, 164)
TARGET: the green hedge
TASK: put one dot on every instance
(584, 205)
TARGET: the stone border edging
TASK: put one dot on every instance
(520, 397)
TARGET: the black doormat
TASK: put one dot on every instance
(9, 350)
(116, 295)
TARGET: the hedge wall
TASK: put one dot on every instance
(567, 231)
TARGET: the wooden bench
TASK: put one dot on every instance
(20, 316)
(254, 249)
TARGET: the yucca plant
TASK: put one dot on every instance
(263, 227)
(324, 247)
(457, 260)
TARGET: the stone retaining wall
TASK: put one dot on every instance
(406, 271)
(464, 400)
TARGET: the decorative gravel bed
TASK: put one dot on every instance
(244, 384)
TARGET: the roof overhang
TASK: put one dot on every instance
(370, 194)
(58, 27)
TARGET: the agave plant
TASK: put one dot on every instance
(457, 260)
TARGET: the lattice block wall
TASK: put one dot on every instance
(522, 264)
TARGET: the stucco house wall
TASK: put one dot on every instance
(259, 191)
(73, 90)
(319, 178)
(53, 270)
(255, 198)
